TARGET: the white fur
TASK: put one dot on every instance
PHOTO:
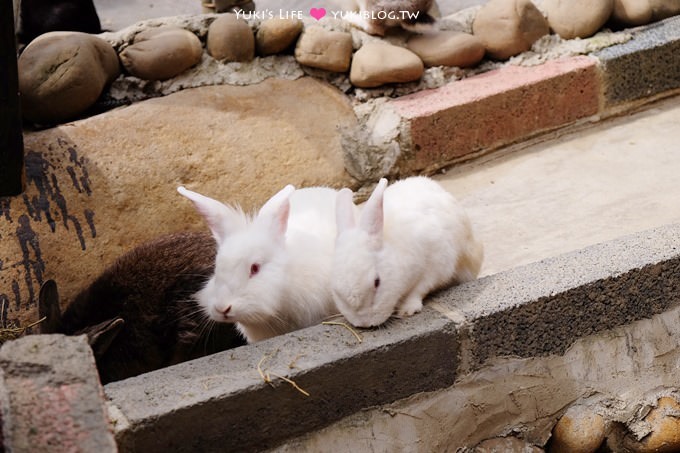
(292, 240)
(423, 242)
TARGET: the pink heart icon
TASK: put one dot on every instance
(317, 13)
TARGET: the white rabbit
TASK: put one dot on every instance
(272, 272)
(376, 16)
(385, 267)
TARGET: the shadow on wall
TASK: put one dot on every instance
(56, 201)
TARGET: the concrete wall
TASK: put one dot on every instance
(50, 397)
(506, 354)
(522, 345)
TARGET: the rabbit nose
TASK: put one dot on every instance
(226, 311)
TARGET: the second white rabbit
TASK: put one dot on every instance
(411, 239)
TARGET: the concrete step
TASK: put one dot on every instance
(589, 185)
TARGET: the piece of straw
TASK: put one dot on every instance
(12, 333)
(337, 323)
(266, 376)
(291, 382)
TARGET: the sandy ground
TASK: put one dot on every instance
(615, 178)
(117, 14)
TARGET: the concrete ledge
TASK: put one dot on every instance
(51, 398)
(220, 403)
(643, 67)
(495, 109)
(544, 307)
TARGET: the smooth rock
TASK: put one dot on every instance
(578, 431)
(577, 18)
(161, 53)
(107, 183)
(61, 74)
(378, 63)
(323, 49)
(276, 35)
(231, 39)
(662, 9)
(664, 421)
(632, 12)
(641, 12)
(447, 48)
(509, 27)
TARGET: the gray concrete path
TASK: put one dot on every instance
(614, 178)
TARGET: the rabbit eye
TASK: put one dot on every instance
(376, 282)
(254, 269)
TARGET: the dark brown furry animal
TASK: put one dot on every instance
(140, 314)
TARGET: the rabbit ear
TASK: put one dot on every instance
(275, 212)
(222, 220)
(101, 336)
(48, 308)
(372, 214)
(344, 210)
(275, 202)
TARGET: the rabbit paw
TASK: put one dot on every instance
(410, 306)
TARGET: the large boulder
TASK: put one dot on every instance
(62, 74)
(108, 182)
(509, 27)
(161, 53)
